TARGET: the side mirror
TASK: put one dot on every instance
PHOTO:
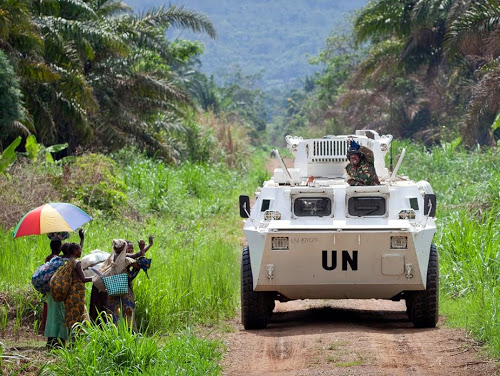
(244, 206)
(430, 205)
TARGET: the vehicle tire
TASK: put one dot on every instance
(256, 307)
(422, 307)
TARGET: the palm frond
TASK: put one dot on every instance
(35, 71)
(111, 8)
(178, 16)
(483, 108)
(381, 19)
(477, 22)
(493, 43)
(430, 13)
(116, 130)
(91, 31)
(77, 9)
(73, 85)
(71, 109)
(383, 58)
(46, 128)
(19, 128)
(142, 35)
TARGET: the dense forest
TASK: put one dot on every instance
(94, 74)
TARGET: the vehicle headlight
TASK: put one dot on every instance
(407, 214)
(272, 214)
(279, 243)
(399, 242)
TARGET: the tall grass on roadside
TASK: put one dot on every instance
(114, 350)
(470, 271)
(461, 179)
(195, 271)
(467, 186)
(193, 212)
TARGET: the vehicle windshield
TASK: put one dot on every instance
(312, 207)
(366, 206)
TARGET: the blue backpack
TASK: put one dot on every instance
(41, 276)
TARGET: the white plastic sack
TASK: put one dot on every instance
(95, 257)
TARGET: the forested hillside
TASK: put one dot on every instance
(272, 37)
(98, 74)
(425, 70)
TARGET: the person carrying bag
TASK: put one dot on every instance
(115, 265)
(114, 272)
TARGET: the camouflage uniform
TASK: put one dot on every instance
(364, 173)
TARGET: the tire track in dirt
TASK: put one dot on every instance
(350, 337)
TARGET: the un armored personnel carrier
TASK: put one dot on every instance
(313, 236)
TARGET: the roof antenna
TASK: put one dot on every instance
(390, 158)
(398, 164)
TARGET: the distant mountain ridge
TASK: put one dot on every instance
(275, 36)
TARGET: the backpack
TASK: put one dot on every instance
(41, 277)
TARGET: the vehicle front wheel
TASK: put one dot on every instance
(256, 307)
(423, 306)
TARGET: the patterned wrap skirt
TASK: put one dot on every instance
(74, 305)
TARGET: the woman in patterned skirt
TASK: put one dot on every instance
(74, 305)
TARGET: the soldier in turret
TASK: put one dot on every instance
(360, 169)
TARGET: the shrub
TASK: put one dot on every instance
(90, 181)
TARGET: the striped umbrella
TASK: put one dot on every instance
(52, 217)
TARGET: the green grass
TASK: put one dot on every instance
(115, 350)
(349, 364)
(462, 179)
(193, 212)
(467, 186)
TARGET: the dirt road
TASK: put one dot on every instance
(350, 337)
(334, 337)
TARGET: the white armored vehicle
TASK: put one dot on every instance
(313, 236)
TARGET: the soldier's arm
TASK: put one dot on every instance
(368, 154)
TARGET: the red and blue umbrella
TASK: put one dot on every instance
(52, 217)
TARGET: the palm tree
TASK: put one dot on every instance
(474, 39)
(204, 90)
(383, 19)
(91, 70)
(22, 43)
(11, 107)
(131, 88)
(407, 52)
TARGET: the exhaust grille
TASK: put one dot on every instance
(329, 151)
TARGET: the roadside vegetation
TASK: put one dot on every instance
(191, 209)
(467, 185)
(194, 279)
